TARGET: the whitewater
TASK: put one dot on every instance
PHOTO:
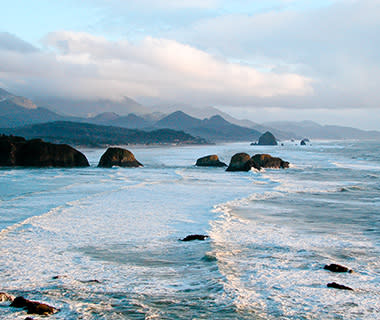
(104, 243)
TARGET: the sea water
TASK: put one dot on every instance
(104, 243)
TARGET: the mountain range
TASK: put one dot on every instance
(215, 125)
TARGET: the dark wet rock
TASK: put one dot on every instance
(337, 268)
(267, 139)
(28, 318)
(193, 237)
(338, 286)
(304, 141)
(118, 157)
(16, 151)
(259, 161)
(6, 297)
(90, 281)
(210, 161)
(240, 162)
(33, 307)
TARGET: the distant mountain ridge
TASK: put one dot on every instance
(214, 129)
(313, 130)
(17, 111)
(93, 135)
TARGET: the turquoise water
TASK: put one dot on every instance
(271, 233)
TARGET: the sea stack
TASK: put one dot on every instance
(267, 139)
(243, 162)
(259, 161)
(17, 151)
(210, 161)
(118, 157)
(240, 162)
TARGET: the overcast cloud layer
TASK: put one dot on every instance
(249, 55)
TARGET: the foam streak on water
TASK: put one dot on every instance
(270, 233)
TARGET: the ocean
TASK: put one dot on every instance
(104, 243)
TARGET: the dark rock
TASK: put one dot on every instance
(193, 237)
(338, 286)
(16, 151)
(118, 157)
(210, 161)
(240, 162)
(337, 268)
(259, 161)
(33, 306)
(267, 139)
(90, 281)
(303, 142)
(28, 318)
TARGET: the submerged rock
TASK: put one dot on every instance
(338, 286)
(210, 161)
(259, 161)
(16, 151)
(118, 157)
(267, 139)
(240, 162)
(337, 268)
(193, 237)
(33, 306)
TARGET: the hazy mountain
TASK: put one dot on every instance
(178, 119)
(85, 108)
(14, 115)
(86, 134)
(17, 100)
(313, 130)
(207, 112)
(214, 129)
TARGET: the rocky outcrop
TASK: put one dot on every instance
(267, 139)
(118, 157)
(338, 286)
(240, 162)
(243, 162)
(210, 161)
(193, 237)
(337, 268)
(259, 161)
(304, 142)
(33, 306)
(16, 151)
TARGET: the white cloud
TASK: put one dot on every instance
(82, 65)
(336, 45)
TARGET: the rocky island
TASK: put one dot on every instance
(17, 151)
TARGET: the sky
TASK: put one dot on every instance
(263, 60)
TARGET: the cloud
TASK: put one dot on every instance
(336, 45)
(86, 66)
(10, 42)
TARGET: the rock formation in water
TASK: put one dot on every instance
(337, 268)
(243, 162)
(193, 237)
(338, 286)
(304, 141)
(259, 161)
(118, 157)
(267, 139)
(33, 306)
(240, 162)
(16, 151)
(210, 161)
